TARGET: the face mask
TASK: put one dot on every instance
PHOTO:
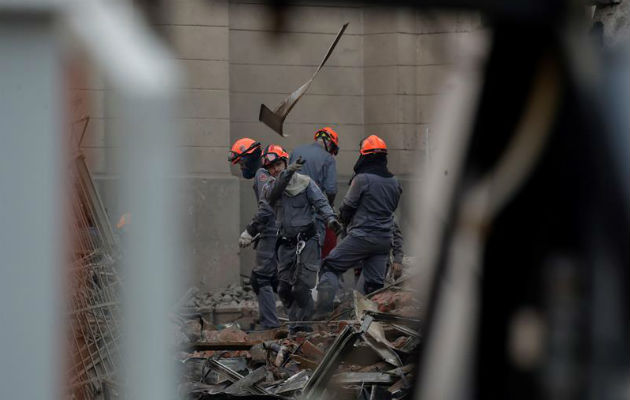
(251, 165)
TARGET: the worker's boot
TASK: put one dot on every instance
(324, 305)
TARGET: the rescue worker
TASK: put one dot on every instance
(321, 167)
(367, 211)
(295, 199)
(248, 154)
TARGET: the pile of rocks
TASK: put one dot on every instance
(234, 295)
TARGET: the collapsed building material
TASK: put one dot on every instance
(392, 318)
(229, 373)
(375, 336)
(343, 343)
(367, 356)
(213, 346)
(248, 383)
(295, 382)
(363, 377)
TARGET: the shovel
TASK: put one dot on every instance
(274, 119)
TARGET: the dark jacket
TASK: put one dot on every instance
(263, 221)
(368, 207)
(295, 212)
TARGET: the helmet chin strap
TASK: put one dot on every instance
(326, 144)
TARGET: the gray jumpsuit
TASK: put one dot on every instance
(295, 213)
(397, 255)
(370, 232)
(321, 167)
(264, 273)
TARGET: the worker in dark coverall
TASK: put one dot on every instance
(295, 199)
(321, 167)
(248, 154)
(367, 211)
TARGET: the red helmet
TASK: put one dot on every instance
(330, 138)
(241, 147)
(373, 144)
(273, 153)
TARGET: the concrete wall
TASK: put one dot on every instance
(386, 76)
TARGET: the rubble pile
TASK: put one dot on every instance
(367, 351)
(232, 296)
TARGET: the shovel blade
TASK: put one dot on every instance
(271, 119)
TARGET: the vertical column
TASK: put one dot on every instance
(30, 207)
(199, 34)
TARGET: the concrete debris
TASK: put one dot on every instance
(372, 354)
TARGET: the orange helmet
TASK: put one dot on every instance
(330, 139)
(273, 153)
(241, 147)
(373, 144)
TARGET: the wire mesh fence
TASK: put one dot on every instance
(94, 286)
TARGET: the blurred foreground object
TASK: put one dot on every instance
(524, 215)
(36, 40)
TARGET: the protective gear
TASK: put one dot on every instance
(373, 144)
(277, 188)
(375, 163)
(264, 273)
(263, 222)
(242, 147)
(371, 201)
(298, 262)
(396, 270)
(322, 168)
(263, 287)
(346, 213)
(372, 253)
(296, 166)
(296, 213)
(285, 293)
(251, 164)
(325, 302)
(258, 280)
(245, 239)
(330, 139)
(298, 247)
(397, 243)
(335, 226)
(369, 287)
(267, 308)
(273, 153)
(297, 184)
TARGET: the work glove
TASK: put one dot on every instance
(397, 269)
(335, 226)
(245, 239)
(296, 166)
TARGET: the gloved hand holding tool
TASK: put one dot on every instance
(246, 239)
(296, 166)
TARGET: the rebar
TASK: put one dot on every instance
(94, 300)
